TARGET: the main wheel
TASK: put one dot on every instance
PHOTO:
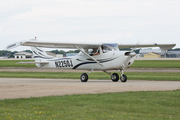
(114, 77)
(84, 77)
(123, 78)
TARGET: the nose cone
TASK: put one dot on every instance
(131, 54)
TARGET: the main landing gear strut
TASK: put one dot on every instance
(84, 76)
(114, 76)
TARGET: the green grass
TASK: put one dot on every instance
(12, 63)
(156, 64)
(136, 64)
(128, 105)
(158, 105)
(95, 75)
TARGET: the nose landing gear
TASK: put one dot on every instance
(123, 77)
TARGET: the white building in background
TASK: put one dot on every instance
(23, 55)
(59, 55)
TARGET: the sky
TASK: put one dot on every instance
(92, 21)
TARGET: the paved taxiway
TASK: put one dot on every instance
(27, 87)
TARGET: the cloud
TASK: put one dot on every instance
(80, 8)
(96, 21)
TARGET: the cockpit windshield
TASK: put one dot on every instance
(110, 47)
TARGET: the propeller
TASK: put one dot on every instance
(132, 53)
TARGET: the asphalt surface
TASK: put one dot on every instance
(27, 87)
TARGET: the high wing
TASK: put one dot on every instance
(53, 45)
(163, 47)
(59, 45)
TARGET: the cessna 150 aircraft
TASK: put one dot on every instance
(104, 57)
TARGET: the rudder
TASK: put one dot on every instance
(40, 54)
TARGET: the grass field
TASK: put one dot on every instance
(12, 63)
(159, 105)
(156, 64)
(136, 64)
(62, 75)
(95, 75)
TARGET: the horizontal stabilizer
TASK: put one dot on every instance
(32, 63)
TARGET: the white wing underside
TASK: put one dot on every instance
(59, 45)
(163, 47)
(84, 45)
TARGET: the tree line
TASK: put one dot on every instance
(9, 54)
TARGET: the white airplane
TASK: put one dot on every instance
(103, 57)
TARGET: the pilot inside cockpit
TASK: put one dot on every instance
(95, 51)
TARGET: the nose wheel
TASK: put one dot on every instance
(123, 78)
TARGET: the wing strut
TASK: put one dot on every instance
(89, 56)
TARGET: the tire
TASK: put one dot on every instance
(84, 77)
(114, 77)
(123, 78)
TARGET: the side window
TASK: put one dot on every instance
(109, 47)
(93, 51)
(105, 48)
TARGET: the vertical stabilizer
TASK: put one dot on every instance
(40, 55)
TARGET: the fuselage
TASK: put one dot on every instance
(111, 60)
